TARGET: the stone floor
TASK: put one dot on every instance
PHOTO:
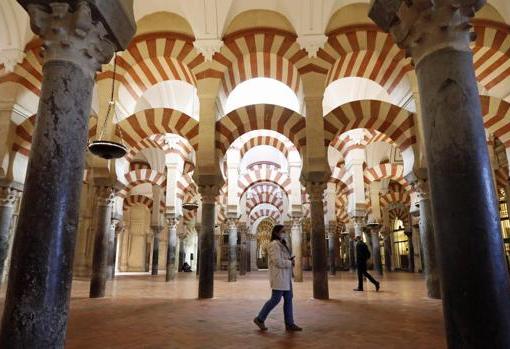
(146, 312)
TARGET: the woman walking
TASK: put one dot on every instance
(280, 273)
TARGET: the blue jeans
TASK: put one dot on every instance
(276, 296)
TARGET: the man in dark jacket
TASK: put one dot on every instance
(362, 255)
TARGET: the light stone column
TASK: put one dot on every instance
(319, 253)
(9, 193)
(171, 256)
(206, 252)
(474, 277)
(76, 42)
(297, 248)
(253, 251)
(232, 249)
(105, 197)
(112, 248)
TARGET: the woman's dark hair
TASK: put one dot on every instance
(274, 233)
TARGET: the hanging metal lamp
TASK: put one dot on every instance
(109, 149)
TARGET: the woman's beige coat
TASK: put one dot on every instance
(280, 267)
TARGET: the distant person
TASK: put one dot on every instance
(186, 267)
(362, 255)
(280, 273)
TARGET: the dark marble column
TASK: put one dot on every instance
(388, 252)
(410, 254)
(376, 250)
(332, 248)
(76, 42)
(352, 254)
(474, 275)
(156, 229)
(319, 253)
(171, 255)
(232, 249)
(105, 196)
(242, 250)
(428, 242)
(206, 251)
(9, 193)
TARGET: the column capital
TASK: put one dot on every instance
(422, 27)
(419, 184)
(69, 33)
(171, 220)
(8, 195)
(315, 190)
(105, 195)
(232, 222)
(209, 193)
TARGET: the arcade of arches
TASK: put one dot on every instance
(335, 118)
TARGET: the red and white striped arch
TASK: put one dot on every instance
(264, 198)
(153, 58)
(137, 177)
(142, 125)
(260, 117)
(24, 132)
(143, 200)
(396, 123)
(264, 173)
(496, 118)
(260, 52)
(400, 212)
(393, 172)
(365, 51)
(397, 194)
(29, 72)
(258, 140)
(265, 212)
(182, 148)
(344, 142)
(491, 55)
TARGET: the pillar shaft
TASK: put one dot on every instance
(410, 253)
(232, 249)
(297, 248)
(319, 252)
(40, 278)
(242, 252)
(428, 245)
(474, 276)
(171, 256)
(105, 197)
(8, 198)
(388, 253)
(376, 251)
(206, 251)
(112, 250)
(155, 250)
(332, 248)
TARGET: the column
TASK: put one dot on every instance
(388, 253)
(319, 254)
(206, 252)
(232, 249)
(156, 230)
(253, 251)
(112, 248)
(76, 44)
(297, 248)
(105, 196)
(217, 250)
(409, 234)
(171, 255)
(474, 277)
(358, 222)
(9, 193)
(332, 247)
(376, 250)
(243, 255)
(428, 242)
